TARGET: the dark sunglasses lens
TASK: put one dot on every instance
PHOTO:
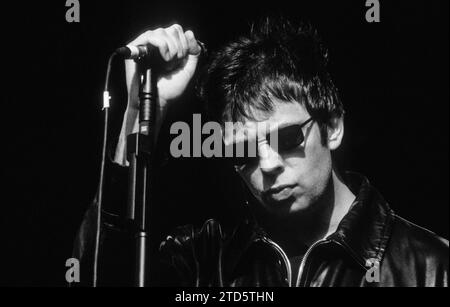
(288, 138)
(284, 139)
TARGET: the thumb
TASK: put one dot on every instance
(191, 64)
(193, 46)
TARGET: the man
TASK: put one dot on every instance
(308, 225)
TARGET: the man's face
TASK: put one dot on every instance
(290, 181)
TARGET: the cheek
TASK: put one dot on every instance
(254, 181)
(319, 158)
(313, 168)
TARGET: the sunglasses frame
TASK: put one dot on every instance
(301, 126)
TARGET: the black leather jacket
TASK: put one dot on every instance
(371, 247)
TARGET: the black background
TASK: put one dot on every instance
(393, 78)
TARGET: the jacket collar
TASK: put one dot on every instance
(363, 232)
(365, 229)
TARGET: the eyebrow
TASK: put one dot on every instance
(296, 123)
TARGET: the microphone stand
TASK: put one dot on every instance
(140, 155)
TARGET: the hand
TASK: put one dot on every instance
(174, 45)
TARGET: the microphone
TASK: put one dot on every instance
(135, 52)
(140, 51)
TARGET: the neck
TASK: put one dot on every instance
(344, 198)
(321, 221)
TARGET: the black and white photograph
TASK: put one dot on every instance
(222, 150)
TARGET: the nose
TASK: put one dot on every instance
(270, 161)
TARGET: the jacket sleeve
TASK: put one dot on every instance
(195, 255)
(115, 261)
(175, 266)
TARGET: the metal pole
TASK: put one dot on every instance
(140, 148)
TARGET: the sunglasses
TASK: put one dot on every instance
(289, 138)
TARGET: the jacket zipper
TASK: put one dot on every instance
(288, 263)
(285, 258)
(305, 258)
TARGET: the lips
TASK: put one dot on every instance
(279, 193)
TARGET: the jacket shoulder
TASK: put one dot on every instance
(419, 253)
(421, 239)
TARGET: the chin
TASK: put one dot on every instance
(289, 208)
(299, 206)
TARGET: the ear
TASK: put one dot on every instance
(335, 132)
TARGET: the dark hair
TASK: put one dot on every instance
(275, 60)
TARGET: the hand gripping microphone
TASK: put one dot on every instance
(140, 51)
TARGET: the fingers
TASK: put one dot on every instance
(193, 46)
(176, 35)
(172, 42)
(159, 39)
